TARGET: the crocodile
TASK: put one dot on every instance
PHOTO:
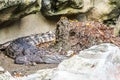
(34, 39)
(67, 40)
(25, 53)
(35, 49)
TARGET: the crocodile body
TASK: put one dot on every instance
(25, 53)
(69, 35)
(29, 49)
(35, 40)
(18, 46)
(38, 39)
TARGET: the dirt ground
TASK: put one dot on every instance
(8, 64)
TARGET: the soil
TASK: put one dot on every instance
(8, 64)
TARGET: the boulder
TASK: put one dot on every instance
(106, 11)
(100, 62)
(14, 9)
(51, 7)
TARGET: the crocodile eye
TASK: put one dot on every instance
(72, 33)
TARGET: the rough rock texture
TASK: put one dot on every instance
(14, 9)
(58, 7)
(101, 10)
(117, 28)
(106, 11)
(100, 62)
(71, 34)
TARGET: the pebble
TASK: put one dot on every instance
(1, 70)
(34, 64)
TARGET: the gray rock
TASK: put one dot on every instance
(100, 62)
(117, 28)
(15, 9)
(98, 10)
(51, 7)
(1, 69)
(106, 11)
(6, 76)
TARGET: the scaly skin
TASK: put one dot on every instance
(27, 50)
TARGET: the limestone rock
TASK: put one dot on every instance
(117, 28)
(15, 9)
(6, 76)
(1, 69)
(44, 74)
(100, 62)
(106, 11)
(51, 7)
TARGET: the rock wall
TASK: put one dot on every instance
(14, 9)
(100, 10)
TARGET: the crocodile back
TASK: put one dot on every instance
(29, 44)
(38, 39)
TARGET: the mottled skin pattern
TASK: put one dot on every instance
(25, 53)
(35, 40)
(29, 49)
(38, 39)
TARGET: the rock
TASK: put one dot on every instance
(1, 70)
(51, 7)
(14, 9)
(100, 62)
(117, 28)
(70, 53)
(78, 35)
(44, 74)
(6, 76)
(106, 11)
(34, 64)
